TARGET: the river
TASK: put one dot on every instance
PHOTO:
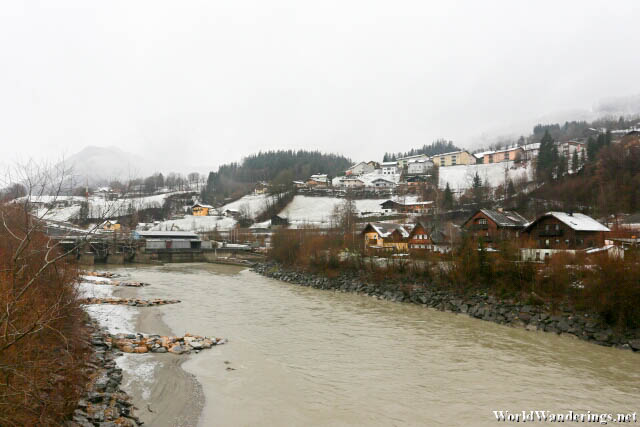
(305, 357)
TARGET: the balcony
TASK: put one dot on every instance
(550, 233)
(476, 227)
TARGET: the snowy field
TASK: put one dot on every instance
(461, 177)
(98, 207)
(318, 210)
(254, 204)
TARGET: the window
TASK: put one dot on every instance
(546, 227)
(506, 156)
(546, 243)
(482, 221)
(453, 160)
(557, 227)
(537, 255)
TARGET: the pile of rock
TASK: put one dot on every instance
(119, 283)
(132, 343)
(104, 403)
(106, 274)
(134, 302)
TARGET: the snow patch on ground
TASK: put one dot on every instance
(254, 203)
(139, 372)
(114, 318)
(461, 177)
(91, 290)
(318, 210)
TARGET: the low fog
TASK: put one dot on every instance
(190, 85)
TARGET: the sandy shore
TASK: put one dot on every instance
(175, 397)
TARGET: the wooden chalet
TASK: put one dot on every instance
(385, 237)
(415, 207)
(495, 225)
(424, 237)
(556, 232)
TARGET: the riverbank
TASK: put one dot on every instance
(162, 393)
(585, 326)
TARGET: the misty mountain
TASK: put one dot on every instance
(102, 164)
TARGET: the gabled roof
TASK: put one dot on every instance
(576, 221)
(202, 205)
(384, 229)
(503, 219)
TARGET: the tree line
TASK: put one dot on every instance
(279, 167)
(439, 146)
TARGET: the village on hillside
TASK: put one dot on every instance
(407, 204)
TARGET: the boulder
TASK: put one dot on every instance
(635, 344)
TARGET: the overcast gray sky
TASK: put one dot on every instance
(196, 84)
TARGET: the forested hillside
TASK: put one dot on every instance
(608, 181)
(279, 167)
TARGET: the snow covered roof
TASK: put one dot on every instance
(577, 221)
(452, 152)
(534, 146)
(384, 229)
(504, 218)
(387, 164)
(416, 156)
(166, 234)
(202, 205)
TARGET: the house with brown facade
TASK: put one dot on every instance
(392, 206)
(567, 232)
(387, 237)
(492, 226)
(426, 238)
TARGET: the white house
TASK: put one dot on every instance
(382, 183)
(389, 168)
(419, 167)
(360, 169)
(404, 161)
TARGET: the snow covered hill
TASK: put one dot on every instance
(318, 210)
(461, 177)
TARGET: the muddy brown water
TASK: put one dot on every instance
(305, 357)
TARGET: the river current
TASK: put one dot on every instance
(305, 357)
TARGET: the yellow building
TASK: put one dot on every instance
(200, 209)
(110, 225)
(386, 237)
(454, 158)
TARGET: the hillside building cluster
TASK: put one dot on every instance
(537, 240)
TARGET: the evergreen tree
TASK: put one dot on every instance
(575, 162)
(477, 181)
(547, 158)
(447, 201)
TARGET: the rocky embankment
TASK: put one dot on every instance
(584, 326)
(105, 404)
